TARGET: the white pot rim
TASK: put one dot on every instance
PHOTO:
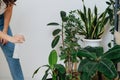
(90, 40)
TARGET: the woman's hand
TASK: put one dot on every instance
(18, 39)
(3, 41)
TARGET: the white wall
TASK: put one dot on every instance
(30, 18)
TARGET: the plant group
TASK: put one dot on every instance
(81, 63)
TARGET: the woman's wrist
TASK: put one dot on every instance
(5, 30)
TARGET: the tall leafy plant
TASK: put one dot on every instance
(68, 34)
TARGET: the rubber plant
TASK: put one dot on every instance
(67, 34)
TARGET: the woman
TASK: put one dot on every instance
(6, 7)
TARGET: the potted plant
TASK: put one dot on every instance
(95, 60)
(69, 44)
(66, 33)
(93, 24)
(92, 59)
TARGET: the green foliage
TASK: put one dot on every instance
(91, 64)
(93, 22)
(53, 58)
(57, 70)
(55, 41)
(67, 33)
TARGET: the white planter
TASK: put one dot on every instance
(92, 42)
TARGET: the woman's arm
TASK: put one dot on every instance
(14, 39)
(7, 18)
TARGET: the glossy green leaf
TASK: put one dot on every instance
(107, 68)
(88, 66)
(55, 41)
(53, 58)
(63, 15)
(52, 24)
(113, 53)
(60, 68)
(97, 50)
(84, 76)
(56, 31)
(85, 53)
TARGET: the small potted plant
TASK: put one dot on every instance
(93, 24)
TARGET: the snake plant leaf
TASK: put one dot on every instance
(95, 11)
(113, 53)
(53, 24)
(88, 66)
(85, 53)
(89, 21)
(53, 58)
(107, 68)
(82, 15)
(56, 31)
(84, 9)
(55, 41)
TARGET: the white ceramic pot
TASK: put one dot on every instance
(92, 42)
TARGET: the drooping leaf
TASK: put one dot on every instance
(88, 66)
(53, 58)
(113, 53)
(46, 74)
(55, 41)
(36, 71)
(56, 31)
(85, 53)
(107, 68)
(98, 50)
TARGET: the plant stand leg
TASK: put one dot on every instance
(99, 76)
